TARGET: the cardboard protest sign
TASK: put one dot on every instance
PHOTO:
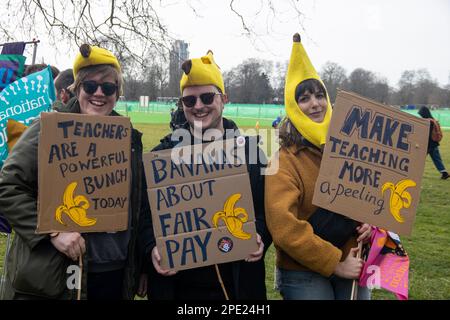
(201, 203)
(23, 101)
(84, 173)
(373, 163)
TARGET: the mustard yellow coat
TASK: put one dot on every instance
(288, 201)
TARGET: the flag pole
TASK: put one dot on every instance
(354, 295)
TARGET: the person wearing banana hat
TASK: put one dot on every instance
(315, 247)
(203, 99)
(37, 265)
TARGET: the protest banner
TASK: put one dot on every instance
(372, 163)
(11, 69)
(23, 101)
(84, 173)
(201, 203)
(387, 264)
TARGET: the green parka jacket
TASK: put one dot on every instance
(34, 267)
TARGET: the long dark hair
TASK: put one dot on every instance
(289, 135)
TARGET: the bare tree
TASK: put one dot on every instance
(361, 81)
(425, 88)
(368, 84)
(130, 27)
(381, 90)
(249, 82)
(334, 77)
(406, 86)
(278, 81)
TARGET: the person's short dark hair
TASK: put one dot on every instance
(64, 80)
(310, 85)
(39, 67)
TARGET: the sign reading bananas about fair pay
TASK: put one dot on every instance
(201, 203)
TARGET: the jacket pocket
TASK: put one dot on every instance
(40, 271)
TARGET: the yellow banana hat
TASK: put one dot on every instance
(300, 69)
(93, 55)
(201, 72)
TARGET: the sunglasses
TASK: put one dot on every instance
(90, 87)
(206, 98)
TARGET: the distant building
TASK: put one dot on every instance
(178, 54)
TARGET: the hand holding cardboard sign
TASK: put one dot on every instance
(364, 233)
(156, 260)
(70, 243)
(351, 267)
(255, 256)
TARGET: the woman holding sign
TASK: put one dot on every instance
(43, 266)
(315, 248)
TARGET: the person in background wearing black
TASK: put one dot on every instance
(433, 142)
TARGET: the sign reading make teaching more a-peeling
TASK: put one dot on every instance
(373, 163)
(201, 203)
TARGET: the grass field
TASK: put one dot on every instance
(428, 247)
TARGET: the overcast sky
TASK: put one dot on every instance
(383, 36)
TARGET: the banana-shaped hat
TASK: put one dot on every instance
(201, 72)
(93, 55)
(300, 69)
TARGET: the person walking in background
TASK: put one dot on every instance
(316, 248)
(434, 138)
(62, 82)
(276, 122)
(177, 118)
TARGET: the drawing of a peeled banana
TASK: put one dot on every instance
(75, 208)
(234, 218)
(400, 198)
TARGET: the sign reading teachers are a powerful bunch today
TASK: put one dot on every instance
(84, 173)
(373, 163)
(201, 203)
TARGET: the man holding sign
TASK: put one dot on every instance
(203, 99)
(40, 264)
(316, 248)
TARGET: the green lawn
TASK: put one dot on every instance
(427, 247)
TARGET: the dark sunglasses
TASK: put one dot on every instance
(90, 87)
(206, 98)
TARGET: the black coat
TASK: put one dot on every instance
(247, 278)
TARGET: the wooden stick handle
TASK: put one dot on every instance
(80, 264)
(354, 295)
(221, 282)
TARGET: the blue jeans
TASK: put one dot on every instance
(308, 285)
(437, 160)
